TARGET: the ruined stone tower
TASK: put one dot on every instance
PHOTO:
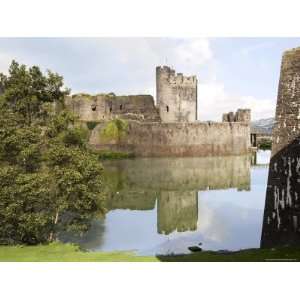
(176, 96)
(241, 115)
(281, 225)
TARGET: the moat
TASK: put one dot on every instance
(165, 205)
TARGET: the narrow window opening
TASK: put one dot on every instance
(94, 107)
(110, 109)
(121, 106)
(167, 108)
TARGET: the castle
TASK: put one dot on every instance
(169, 128)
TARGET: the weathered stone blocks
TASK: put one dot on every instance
(176, 96)
(281, 224)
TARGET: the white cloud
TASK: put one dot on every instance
(127, 66)
(211, 225)
(5, 60)
(213, 101)
(192, 54)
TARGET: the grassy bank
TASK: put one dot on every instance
(57, 252)
(103, 155)
(248, 255)
(107, 154)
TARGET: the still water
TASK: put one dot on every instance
(164, 205)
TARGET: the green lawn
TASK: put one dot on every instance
(57, 252)
(248, 255)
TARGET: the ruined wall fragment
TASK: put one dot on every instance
(105, 107)
(241, 115)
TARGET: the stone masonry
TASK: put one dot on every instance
(281, 224)
(106, 107)
(169, 128)
(241, 115)
(176, 96)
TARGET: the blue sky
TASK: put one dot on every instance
(232, 72)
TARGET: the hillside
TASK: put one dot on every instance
(263, 125)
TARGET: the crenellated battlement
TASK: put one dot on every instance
(176, 95)
(174, 78)
(241, 115)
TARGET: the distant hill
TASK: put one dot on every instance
(264, 126)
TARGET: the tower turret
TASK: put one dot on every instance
(176, 96)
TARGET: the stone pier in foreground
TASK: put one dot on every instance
(281, 224)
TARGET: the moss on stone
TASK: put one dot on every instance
(114, 130)
(84, 95)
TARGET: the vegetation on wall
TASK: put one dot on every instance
(114, 130)
(105, 154)
(90, 97)
(49, 181)
(85, 95)
(265, 144)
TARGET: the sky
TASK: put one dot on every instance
(232, 72)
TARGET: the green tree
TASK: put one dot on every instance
(76, 175)
(49, 181)
(26, 207)
(27, 91)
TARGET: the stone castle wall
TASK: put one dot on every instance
(241, 115)
(178, 139)
(176, 96)
(281, 225)
(108, 106)
(168, 129)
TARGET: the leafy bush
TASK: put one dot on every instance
(265, 144)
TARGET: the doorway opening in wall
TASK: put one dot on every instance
(167, 108)
(121, 106)
(110, 109)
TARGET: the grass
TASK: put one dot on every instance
(247, 255)
(58, 252)
(103, 155)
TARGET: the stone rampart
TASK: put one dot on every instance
(178, 139)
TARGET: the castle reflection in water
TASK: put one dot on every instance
(172, 184)
(165, 205)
